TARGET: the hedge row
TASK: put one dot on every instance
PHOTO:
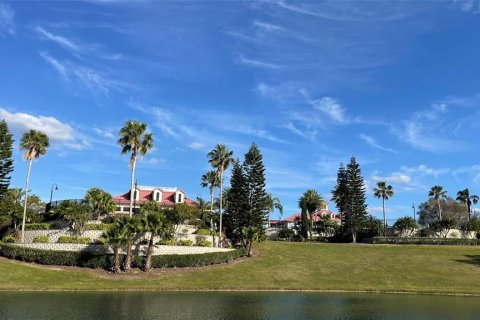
(39, 226)
(98, 227)
(98, 259)
(429, 241)
(74, 239)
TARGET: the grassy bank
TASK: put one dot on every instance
(284, 266)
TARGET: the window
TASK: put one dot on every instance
(157, 196)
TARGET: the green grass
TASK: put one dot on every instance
(286, 266)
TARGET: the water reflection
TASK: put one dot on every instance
(232, 305)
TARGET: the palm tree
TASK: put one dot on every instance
(157, 225)
(35, 144)
(464, 197)
(134, 139)
(474, 199)
(311, 201)
(210, 180)
(437, 193)
(384, 192)
(272, 204)
(100, 200)
(220, 159)
(131, 229)
(115, 238)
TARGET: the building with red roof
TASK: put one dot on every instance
(165, 196)
(291, 220)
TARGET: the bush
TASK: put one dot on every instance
(204, 232)
(185, 243)
(165, 242)
(69, 239)
(39, 226)
(286, 233)
(427, 241)
(99, 227)
(41, 239)
(109, 219)
(202, 242)
(99, 259)
(9, 239)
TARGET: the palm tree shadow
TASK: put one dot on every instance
(471, 259)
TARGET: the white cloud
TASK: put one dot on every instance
(58, 66)
(371, 141)
(424, 170)
(6, 20)
(267, 26)
(196, 146)
(62, 41)
(258, 63)
(396, 177)
(331, 107)
(57, 131)
(470, 171)
(104, 133)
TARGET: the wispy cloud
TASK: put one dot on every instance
(7, 24)
(258, 63)
(265, 26)
(329, 106)
(196, 146)
(58, 132)
(470, 6)
(60, 40)
(104, 133)
(371, 141)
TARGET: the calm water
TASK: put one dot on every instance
(226, 306)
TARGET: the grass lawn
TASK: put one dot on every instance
(284, 266)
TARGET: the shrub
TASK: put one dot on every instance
(185, 243)
(286, 233)
(9, 239)
(99, 227)
(427, 241)
(204, 232)
(202, 242)
(69, 239)
(109, 219)
(405, 227)
(165, 242)
(39, 226)
(41, 239)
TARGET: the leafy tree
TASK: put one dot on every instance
(311, 201)
(286, 233)
(326, 226)
(6, 161)
(101, 201)
(150, 207)
(272, 204)
(158, 226)
(220, 159)
(355, 216)
(133, 139)
(405, 226)
(372, 227)
(178, 215)
(472, 225)
(428, 211)
(35, 144)
(340, 193)
(384, 192)
(442, 227)
(115, 238)
(236, 215)
(437, 193)
(11, 210)
(77, 214)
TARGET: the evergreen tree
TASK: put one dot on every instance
(6, 162)
(257, 196)
(340, 192)
(236, 212)
(356, 214)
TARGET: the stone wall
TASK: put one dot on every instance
(53, 235)
(138, 250)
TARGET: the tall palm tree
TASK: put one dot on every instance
(464, 197)
(384, 192)
(311, 201)
(134, 139)
(220, 159)
(211, 181)
(35, 144)
(474, 199)
(272, 204)
(157, 225)
(437, 193)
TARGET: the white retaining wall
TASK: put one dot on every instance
(53, 235)
(139, 250)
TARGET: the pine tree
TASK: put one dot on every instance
(356, 214)
(340, 192)
(236, 212)
(257, 196)
(6, 162)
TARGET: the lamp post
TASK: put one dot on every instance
(414, 213)
(51, 192)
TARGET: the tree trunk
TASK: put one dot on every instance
(116, 260)
(219, 244)
(132, 179)
(354, 237)
(384, 218)
(128, 259)
(468, 208)
(26, 200)
(439, 210)
(148, 258)
(249, 254)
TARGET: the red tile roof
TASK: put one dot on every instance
(168, 197)
(316, 215)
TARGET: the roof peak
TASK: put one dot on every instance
(151, 188)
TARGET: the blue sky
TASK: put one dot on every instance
(396, 84)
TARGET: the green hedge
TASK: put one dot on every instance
(204, 232)
(98, 227)
(9, 239)
(185, 243)
(166, 242)
(203, 243)
(39, 226)
(73, 239)
(429, 241)
(41, 239)
(98, 259)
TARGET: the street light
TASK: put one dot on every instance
(414, 214)
(51, 193)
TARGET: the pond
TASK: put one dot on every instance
(232, 305)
